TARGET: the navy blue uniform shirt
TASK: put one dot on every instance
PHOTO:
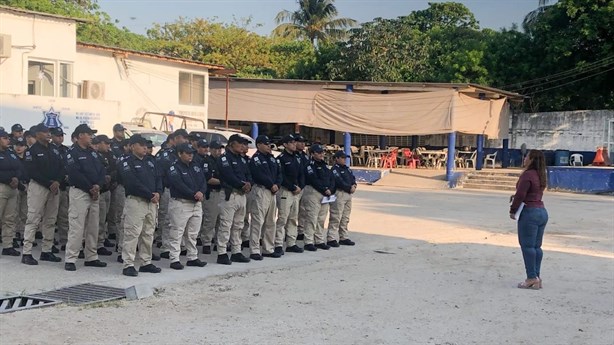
(10, 167)
(44, 164)
(164, 159)
(305, 160)
(265, 170)
(117, 148)
(84, 168)
(109, 161)
(140, 177)
(63, 149)
(291, 170)
(211, 170)
(234, 171)
(344, 177)
(185, 180)
(320, 177)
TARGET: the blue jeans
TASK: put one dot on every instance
(531, 225)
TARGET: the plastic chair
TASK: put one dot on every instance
(490, 158)
(459, 161)
(472, 159)
(373, 159)
(357, 158)
(576, 160)
(389, 160)
(410, 160)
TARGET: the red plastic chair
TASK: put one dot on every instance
(390, 160)
(411, 161)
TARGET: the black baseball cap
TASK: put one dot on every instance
(238, 138)
(83, 128)
(340, 154)
(263, 139)
(137, 139)
(316, 148)
(39, 128)
(299, 137)
(202, 143)
(101, 139)
(3, 133)
(196, 136)
(150, 144)
(182, 132)
(16, 128)
(184, 147)
(19, 142)
(27, 134)
(57, 131)
(118, 127)
(288, 138)
(215, 145)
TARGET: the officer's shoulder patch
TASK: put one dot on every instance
(94, 154)
(172, 168)
(165, 154)
(310, 170)
(256, 159)
(151, 164)
(68, 156)
(243, 160)
(206, 165)
(13, 156)
(125, 164)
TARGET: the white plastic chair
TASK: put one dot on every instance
(472, 159)
(576, 160)
(490, 158)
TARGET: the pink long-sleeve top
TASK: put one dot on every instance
(528, 191)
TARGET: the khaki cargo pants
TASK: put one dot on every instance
(263, 209)
(139, 220)
(232, 216)
(211, 212)
(83, 218)
(42, 211)
(315, 217)
(287, 217)
(339, 217)
(8, 214)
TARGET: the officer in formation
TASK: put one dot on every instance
(20, 147)
(208, 189)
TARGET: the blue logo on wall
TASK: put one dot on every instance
(52, 118)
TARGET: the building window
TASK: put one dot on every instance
(41, 77)
(191, 88)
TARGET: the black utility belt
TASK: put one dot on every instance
(185, 200)
(138, 198)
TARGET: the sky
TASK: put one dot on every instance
(139, 15)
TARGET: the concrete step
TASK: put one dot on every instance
(484, 182)
(493, 174)
(488, 186)
(512, 179)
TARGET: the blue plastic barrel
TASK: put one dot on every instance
(561, 158)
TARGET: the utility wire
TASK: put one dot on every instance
(571, 82)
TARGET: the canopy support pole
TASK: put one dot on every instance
(450, 162)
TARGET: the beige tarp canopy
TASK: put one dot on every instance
(422, 113)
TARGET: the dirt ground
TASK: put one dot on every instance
(430, 267)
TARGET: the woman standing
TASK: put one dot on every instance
(533, 218)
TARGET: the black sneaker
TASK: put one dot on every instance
(150, 269)
(333, 243)
(63, 248)
(54, 250)
(38, 235)
(215, 247)
(81, 255)
(69, 266)
(256, 257)
(10, 252)
(165, 255)
(108, 243)
(28, 260)
(279, 250)
(206, 249)
(239, 257)
(310, 247)
(244, 244)
(159, 244)
(300, 237)
(176, 265)
(130, 272)
(294, 249)
(155, 257)
(49, 257)
(223, 259)
(272, 255)
(112, 237)
(120, 259)
(16, 243)
(323, 246)
(196, 263)
(95, 263)
(183, 252)
(104, 251)
(199, 242)
(347, 242)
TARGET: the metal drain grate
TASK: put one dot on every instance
(84, 294)
(15, 303)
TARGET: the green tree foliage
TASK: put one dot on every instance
(315, 20)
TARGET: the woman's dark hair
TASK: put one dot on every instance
(538, 163)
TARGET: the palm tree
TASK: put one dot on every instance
(531, 17)
(315, 20)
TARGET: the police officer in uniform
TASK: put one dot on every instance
(288, 198)
(57, 139)
(86, 176)
(10, 170)
(44, 166)
(266, 174)
(20, 146)
(211, 205)
(102, 146)
(248, 204)
(187, 186)
(320, 183)
(345, 184)
(16, 131)
(143, 188)
(305, 160)
(236, 183)
(117, 143)
(118, 195)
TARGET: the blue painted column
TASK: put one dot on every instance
(383, 142)
(505, 156)
(347, 137)
(451, 154)
(254, 130)
(414, 142)
(480, 150)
